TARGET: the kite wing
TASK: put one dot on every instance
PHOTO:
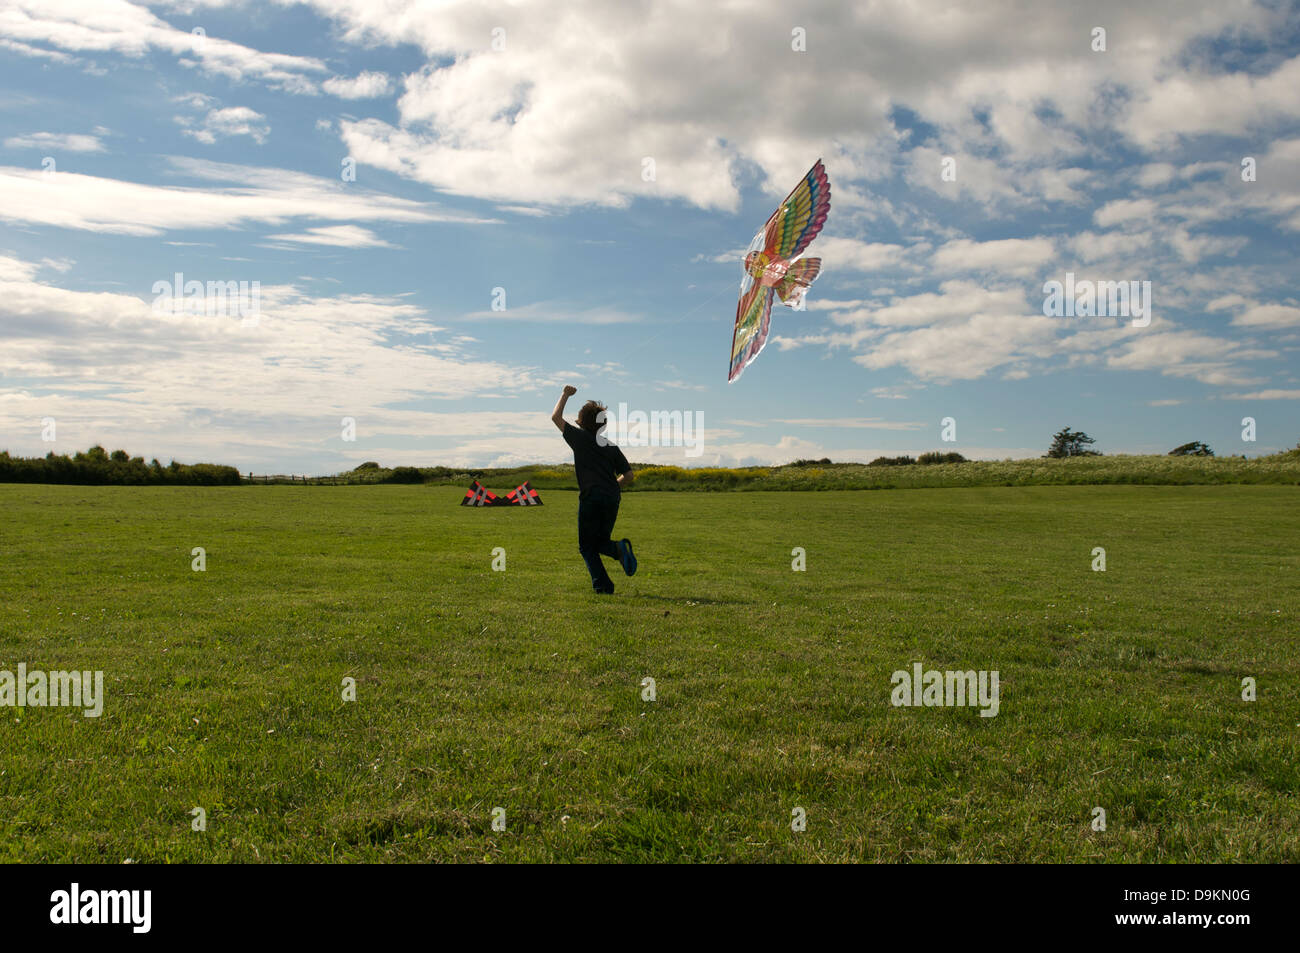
(801, 216)
(753, 318)
(479, 495)
(524, 495)
(801, 274)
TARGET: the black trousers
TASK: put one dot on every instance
(595, 524)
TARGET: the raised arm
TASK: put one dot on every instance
(557, 415)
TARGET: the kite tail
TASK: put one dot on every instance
(802, 273)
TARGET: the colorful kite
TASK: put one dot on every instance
(479, 495)
(522, 495)
(772, 264)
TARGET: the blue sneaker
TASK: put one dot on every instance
(625, 556)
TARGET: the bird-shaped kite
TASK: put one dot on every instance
(773, 265)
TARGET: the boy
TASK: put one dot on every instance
(602, 472)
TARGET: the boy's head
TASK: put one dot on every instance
(592, 416)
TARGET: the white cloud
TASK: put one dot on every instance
(1204, 357)
(1124, 210)
(55, 141)
(1254, 314)
(850, 254)
(532, 212)
(250, 194)
(568, 121)
(342, 236)
(26, 49)
(1192, 248)
(15, 269)
(1189, 104)
(1011, 256)
(229, 122)
(365, 85)
(1092, 246)
(1269, 316)
(114, 368)
(195, 100)
(131, 30)
(955, 300)
(963, 350)
(1224, 302)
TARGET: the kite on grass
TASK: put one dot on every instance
(773, 265)
(522, 495)
(479, 495)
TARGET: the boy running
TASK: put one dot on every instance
(602, 472)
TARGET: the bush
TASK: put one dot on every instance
(892, 462)
(937, 457)
(95, 467)
(368, 465)
(1193, 449)
(405, 475)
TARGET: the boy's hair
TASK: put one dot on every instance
(589, 419)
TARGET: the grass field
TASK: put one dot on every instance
(519, 689)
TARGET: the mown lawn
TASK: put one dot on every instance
(521, 690)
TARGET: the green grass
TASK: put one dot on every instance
(520, 689)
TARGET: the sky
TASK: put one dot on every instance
(449, 210)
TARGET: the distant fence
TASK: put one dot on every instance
(287, 478)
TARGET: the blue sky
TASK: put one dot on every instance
(502, 145)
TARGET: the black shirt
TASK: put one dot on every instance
(598, 467)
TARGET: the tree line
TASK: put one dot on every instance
(1076, 443)
(97, 466)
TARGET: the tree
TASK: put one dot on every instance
(1071, 443)
(95, 467)
(405, 475)
(1193, 449)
